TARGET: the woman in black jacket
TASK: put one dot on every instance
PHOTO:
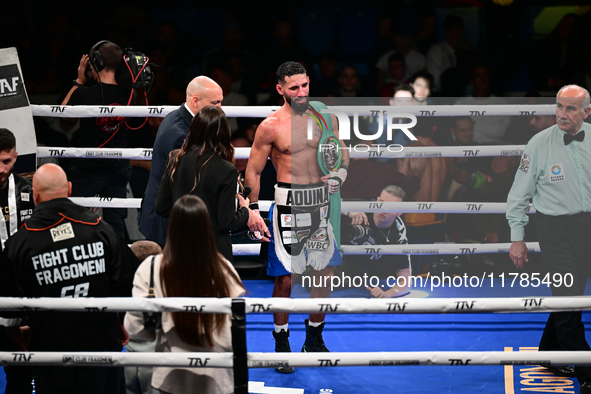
(203, 167)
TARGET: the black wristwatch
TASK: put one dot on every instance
(75, 83)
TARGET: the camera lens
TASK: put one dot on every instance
(355, 233)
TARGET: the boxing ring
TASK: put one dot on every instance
(491, 330)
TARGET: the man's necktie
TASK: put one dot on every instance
(568, 138)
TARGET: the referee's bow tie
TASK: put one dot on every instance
(568, 138)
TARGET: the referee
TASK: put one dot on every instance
(554, 171)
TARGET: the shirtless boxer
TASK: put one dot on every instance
(302, 234)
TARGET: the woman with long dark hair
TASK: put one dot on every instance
(203, 167)
(190, 266)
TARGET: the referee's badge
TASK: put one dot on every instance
(524, 164)
(556, 172)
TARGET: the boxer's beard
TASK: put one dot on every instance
(299, 108)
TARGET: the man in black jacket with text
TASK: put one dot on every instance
(65, 250)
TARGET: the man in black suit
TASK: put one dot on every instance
(201, 91)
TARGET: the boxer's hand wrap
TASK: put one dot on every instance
(336, 180)
(254, 206)
(254, 235)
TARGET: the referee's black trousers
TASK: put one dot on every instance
(565, 243)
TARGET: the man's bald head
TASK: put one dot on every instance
(50, 182)
(572, 107)
(203, 91)
(576, 91)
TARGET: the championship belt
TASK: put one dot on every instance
(329, 160)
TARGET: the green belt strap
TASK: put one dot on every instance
(328, 137)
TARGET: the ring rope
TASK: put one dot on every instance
(95, 153)
(113, 359)
(346, 206)
(92, 111)
(359, 151)
(268, 360)
(246, 249)
(405, 249)
(366, 206)
(422, 207)
(433, 249)
(304, 305)
(112, 202)
(107, 202)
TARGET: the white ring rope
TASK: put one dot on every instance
(396, 151)
(96, 153)
(346, 206)
(112, 202)
(268, 360)
(412, 249)
(365, 206)
(433, 249)
(308, 305)
(420, 358)
(114, 359)
(107, 202)
(246, 249)
(423, 207)
(91, 111)
(359, 151)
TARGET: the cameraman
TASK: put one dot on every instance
(103, 177)
(379, 229)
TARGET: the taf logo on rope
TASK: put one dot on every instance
(155, 110)
(56, 152)
(329, 307)
(556, 172)
(328, 362)
(260, 307)
(198, 362)
(395, 306)
(459, 361)
(532, 302)
(194, 308)
(22, 357)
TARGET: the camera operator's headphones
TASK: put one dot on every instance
(94, 56)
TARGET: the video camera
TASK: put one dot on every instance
(135, 71)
